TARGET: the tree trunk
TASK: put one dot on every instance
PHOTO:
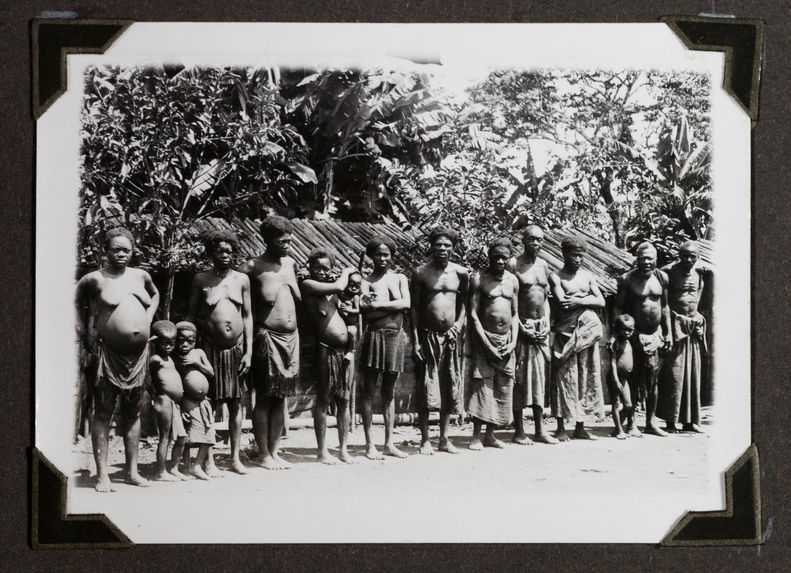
(171, 277)
(605, 182)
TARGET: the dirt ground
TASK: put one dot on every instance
(673, 469)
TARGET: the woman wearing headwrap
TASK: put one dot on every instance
(576, 369)
(115, 308)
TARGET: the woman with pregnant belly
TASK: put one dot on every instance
(220, 306)
(115, 308)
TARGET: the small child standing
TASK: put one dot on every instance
(621, 365)
(198, 415)
(349, 309)
(168, 392)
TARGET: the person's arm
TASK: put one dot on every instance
(415, 291)
(153, 292)
(667, 331)
(592, 300)
(618, 307)
(292, 283)
(82, 304)
(194, 302)
(401, 303)
(312, 287)
(475, 287)
(461, 302)
(247, 320)
(514, 317)
(203, 364)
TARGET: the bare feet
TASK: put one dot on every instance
(581, 433)
(655, 431)
(268, 463)
(562, 436)
(174, 471)
(476, 444)
(286, 465)
(635, 432)
(493, 443)
(165, 476)
(426, 449)
(103, 484)
(448, 447)
(199, 472)
(325, 458)
(213, 471)
(373, 454)
(670, 429)
(544, 438)
(621, 435)
(238, 467)
(138, 480)
(345, 457)
(693, 428)
(391, 450)
(522, 440)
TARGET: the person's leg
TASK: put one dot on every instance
(103, 406)
(131, 402)
(489, 440)
(651, 401)
(425, 442)
(445, 445)
(163, 411)
(616, 416)
(389, 380)
(541, 436)
(370, 378)
(342, 406)
(208, 465)
(476, 443)
(175, 457)
(201, 459)
(235, 433)
(520, 437)
(321, 407)
(277, 419)
(261, 432)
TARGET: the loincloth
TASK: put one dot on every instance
(439, 376)
(275, 364)
(336, 377)
(532, 365)
(112, 375)
(199, 424)
(490, 382)
(225, 384)
(177, 429)
(383, 350)
(680, 379)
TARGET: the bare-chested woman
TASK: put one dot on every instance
(642, 293)
(220, 306)
(275, 367)
(115, 308)
(576, 377)
(680, 388)
(492, 339)
(532, 348)
(385, 299)
(439, 299)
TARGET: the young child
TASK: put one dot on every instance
(621, 364)
(168, 392)
(198, 415)
(349, 309)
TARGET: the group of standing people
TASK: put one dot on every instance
(490, 344)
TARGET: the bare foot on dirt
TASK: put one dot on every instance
(373, 454)
(635, 432)
(522, 440)
(104, 485)
(583, 434)
(199, 472)
(544, 438)
(239, 468)
(268, 463)
(212, 471)
(174, 471)
(391, 450)
(346, 457)
(138, 480)
(476, 445)
(620, 435)
(671, 429)
(286, 465)
(653, 430)
(326, 459)
(448, 447)
(165, 476)
(494, 443)
(693, 428)
(426, 449)
(562, 436)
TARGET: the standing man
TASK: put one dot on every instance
(275, 364)
(642, 293)
(220, 307)
(438, 314)
(532, 347)
(682, 373)
(385, 299)
(490, 360)
(577, 387)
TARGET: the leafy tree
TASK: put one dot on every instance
(164, 147)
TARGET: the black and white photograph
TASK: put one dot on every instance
(320, 283)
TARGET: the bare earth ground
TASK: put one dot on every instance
(676, 465)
